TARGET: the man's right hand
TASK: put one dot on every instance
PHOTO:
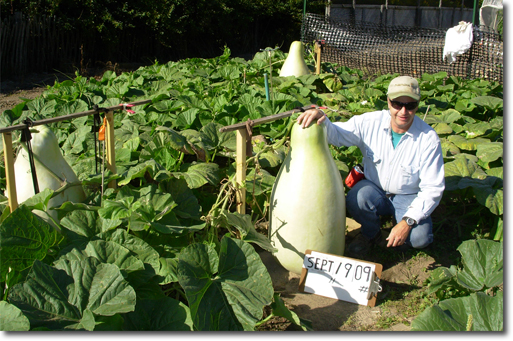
(306, 118)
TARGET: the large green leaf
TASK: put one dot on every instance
(115, 211)
(486, 191)
(173, 139)
(12, 318)
(247, 229)
(199, 174)
(440, 278)
(107, 252)
(140, 170)
(448, 148)
(186, 118)
(461, 167)
(218, 139)
(483, 264)
(40, 200)
(142, 208)
(70, 294)
(99, 287)
(23, 239)
(188, 205)
(165, 314)
(81, 226)
(145, 252)
(489, 152)
(477, 312)
(42, 106)
(225, 292)
(228, 72)
(117, 90)
(467, 144)
(489, 102)
(141, 262)
(451, 116)
(442, 129)
(73, 107)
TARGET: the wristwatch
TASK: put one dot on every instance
(409, 221)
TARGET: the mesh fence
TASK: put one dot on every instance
(412, 51)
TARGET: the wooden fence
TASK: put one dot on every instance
(41, 44)
(32, 45)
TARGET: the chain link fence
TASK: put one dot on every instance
(412, 51)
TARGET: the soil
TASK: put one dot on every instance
(402, 289)
(13, 91)
(400, 301)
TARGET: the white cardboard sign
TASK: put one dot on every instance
(342, 278)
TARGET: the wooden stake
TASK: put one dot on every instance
(109, 140)
(240, 175)
(318, 64)
(9, 171)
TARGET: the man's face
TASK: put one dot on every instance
(402, 113)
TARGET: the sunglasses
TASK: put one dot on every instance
(399, 105)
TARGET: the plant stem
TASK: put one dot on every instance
(264, 320)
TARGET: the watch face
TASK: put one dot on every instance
(410, 221)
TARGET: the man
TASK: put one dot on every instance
(403, 166)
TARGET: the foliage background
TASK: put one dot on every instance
(182, 28)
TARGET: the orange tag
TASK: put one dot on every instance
(101, 132)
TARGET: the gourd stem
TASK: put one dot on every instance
(66, 186)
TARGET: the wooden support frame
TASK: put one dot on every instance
(318, 51)
(241, 167)
(240, 158)
(110, 144)
(9, 171)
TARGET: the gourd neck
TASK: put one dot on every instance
(315, 134)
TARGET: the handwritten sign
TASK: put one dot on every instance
(339, 277)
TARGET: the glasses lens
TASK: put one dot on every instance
(396, 105)
(410, 105)
(399, 105)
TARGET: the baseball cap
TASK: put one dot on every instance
(404, 86)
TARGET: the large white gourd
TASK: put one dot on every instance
(52, 170)
(294, 64)
(308, 208)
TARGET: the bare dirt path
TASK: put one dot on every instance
(14, 90)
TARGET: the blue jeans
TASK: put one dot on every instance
(366, 202)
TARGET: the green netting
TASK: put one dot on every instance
(378, 49)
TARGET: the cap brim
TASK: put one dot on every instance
(400, 94)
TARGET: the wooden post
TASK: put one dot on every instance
(240, 175)
(110, 145)
(9, 171)
(242, 136)
(318, 64)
